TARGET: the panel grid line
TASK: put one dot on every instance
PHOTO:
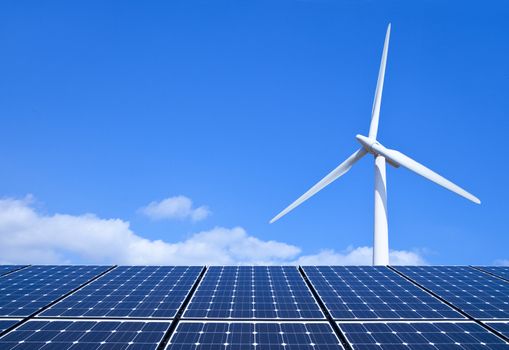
(29, 317)
(131, 292)
(180, 311)
(15, 270)
(253, 292)
(479, 268)
(339, 333)
(491, 329)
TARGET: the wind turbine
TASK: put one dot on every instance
(382, 155)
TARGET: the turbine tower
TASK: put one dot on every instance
(382, 156)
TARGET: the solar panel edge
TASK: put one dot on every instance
(174, 324)
(339, 333)
(492, 273)
(18, 268)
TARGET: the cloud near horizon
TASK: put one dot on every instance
(30, 237)
(178, 207)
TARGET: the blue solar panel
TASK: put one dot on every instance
(367, 292)
(260, 336)
(249, 292)
(502, 327)
(501, 271)
(9, 268)
(480, 295)
(131, 291)
(77, 335)
(421, 336)
(4, 324)
(27, 291)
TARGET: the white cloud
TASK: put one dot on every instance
(178, 207)
(28, 236)
(359, 256)
(502, 262)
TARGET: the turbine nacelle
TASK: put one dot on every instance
(367, 143)
(375, 148)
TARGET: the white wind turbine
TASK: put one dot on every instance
(382, 155)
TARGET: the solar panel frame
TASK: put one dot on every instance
(478, 294)
(126, 292)
(374, 293)
(7, 323)
(262, 295)
(5, 269)
(500, 326)
(500, 271)
(240, 335)
(30, 290)
(420, 335)
(85, 334)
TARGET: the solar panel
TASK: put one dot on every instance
(249, 335)
(76, 335)
(4, 324)
(502, 327)
(276, 292)
(421, 336)
(480, 295)
(27, 291)
(367, 292)
(9, 268)
(500, 271)
(131, 291)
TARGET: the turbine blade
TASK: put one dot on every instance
(375, 113)
(332, 176)
(420, 169)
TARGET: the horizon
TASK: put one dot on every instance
(171, 133)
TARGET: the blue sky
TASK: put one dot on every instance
(241, 106)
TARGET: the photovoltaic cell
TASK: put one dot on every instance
(262, 292)
(4, 324)
(130, 291)
(421, 336)
(77, 335)
(8, 268)
(27, 291)
(259, 336)
(501, 271)
(367, 292)
(502, 327)
(480, 295)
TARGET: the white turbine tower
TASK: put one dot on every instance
(382, 155)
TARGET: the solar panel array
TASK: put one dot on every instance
(253, 307)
